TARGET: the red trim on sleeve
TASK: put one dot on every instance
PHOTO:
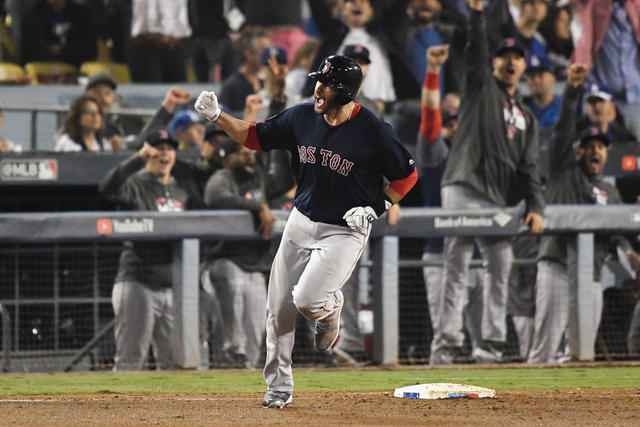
(356, 110)
(402, 186)
(430, 123)
(432, 81)
(252, 139)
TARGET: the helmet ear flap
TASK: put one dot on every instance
(343, 96)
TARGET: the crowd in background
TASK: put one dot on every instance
(259, 52)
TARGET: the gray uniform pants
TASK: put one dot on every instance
(351, 338)
(313, 262)
(633, 339)
(552, 312)
(143, 316)
(243, 297)
(496, 255)
(469, 306)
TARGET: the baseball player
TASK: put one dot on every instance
(574, 178)
(496, 153)
(437, 128)
(142, 296)
(340, 153)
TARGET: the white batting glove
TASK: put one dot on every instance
(207, 105)
(360, 218)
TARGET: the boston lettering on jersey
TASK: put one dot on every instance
(336, 167)
(328, 159)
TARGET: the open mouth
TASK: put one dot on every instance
(319, 102)
(356, 12)
(163, 162)
(510, 71)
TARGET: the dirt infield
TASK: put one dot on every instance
(548, 407)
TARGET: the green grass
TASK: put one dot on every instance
(315, 380)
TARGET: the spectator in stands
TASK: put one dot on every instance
(297, 77)
(572, 180)
(427, 27)
(82, 130)
(437, 128)
(543, 102)
(237, 271)
(601, 112)
(274, 69)
(284, 22)
(496, 151)
(389, 77)
(245, 81)
(211, 47)
(556, 30)
(142, 295)
(59, 30)
(360, 54)
(158, 49)
(518, 20)
(102, 88)
(5, 144)
(188, 129)
(609, 47)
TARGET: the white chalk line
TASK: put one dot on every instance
(183, 399)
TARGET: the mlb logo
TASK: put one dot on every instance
(511, 42)
(104, 226)
(163, 134)
(326, 68)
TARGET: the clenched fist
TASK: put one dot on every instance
(207, 105)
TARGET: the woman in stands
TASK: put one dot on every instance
(82, 128)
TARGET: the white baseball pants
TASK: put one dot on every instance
(314, 261)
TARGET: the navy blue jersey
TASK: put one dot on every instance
(336, 167)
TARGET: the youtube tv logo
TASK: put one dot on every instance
(630, 163)
(104, 226)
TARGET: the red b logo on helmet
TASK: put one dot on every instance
(327, 66)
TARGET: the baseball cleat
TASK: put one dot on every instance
(327, 329)
(276, 399)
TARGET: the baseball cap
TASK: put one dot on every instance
(212, 131)
(600, 92)
(509, 44)
(101, 79)
(277, 51)
(594, 132)
(183, 120)
(357, 52)
(158, 137)
(227, 147)
(448, 114)
(538, 63)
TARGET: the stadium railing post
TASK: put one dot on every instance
(385, 299)
(581, 295)
(186, 342)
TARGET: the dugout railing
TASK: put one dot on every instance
(186, 229)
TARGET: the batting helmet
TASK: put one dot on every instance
(341, 73)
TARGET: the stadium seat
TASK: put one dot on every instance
(51, 72)
(118, 72)
(12, 74)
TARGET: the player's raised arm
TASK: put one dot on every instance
(207, 105)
